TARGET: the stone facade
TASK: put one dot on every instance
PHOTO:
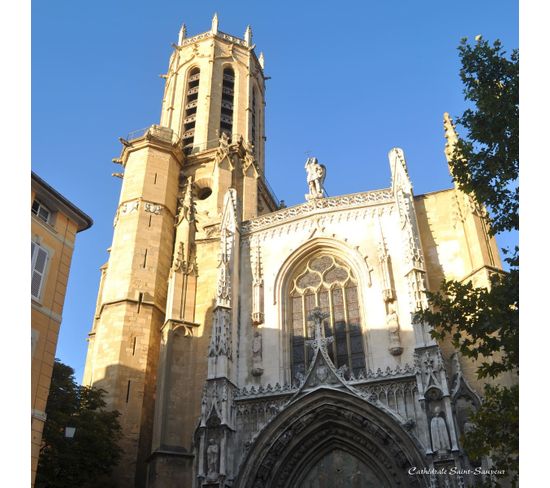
(251, 345)
(54, 225)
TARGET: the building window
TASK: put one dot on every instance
(326, 282)
(190, 112)
(39, 259)
(40, 211)
(228, 93)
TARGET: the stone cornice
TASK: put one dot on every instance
(130, 300)
(156, 136)
(50, 229)
(58, 202)
(368, 377)
(223, 36)
(210, 34)
(167, 451)
(38, 415)
(321, 205)
(135, 204)
(485, 267)
(46, 311)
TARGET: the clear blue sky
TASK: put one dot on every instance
(349, 81)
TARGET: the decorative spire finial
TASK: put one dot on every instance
(452, 152)
(214, 28)
(261, 60)
(248, 35)
(450, 135)
(182, 34)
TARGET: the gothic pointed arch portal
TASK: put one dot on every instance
(332, 434)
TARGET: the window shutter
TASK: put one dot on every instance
(40, 258)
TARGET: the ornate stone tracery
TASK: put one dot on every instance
(228, 245)
(314, 206)
(327, 282)
(221, 342)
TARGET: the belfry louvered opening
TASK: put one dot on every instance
(228, 94)
(253, 121)
(190, 112)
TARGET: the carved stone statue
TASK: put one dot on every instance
(392, 324)
(468, 427)
(343, 371)
(186, 203)
(299, 377)
(257, 344)
(315, 178)
(212, 460)
(257, 369)
(224, 141)
(440, 437)
(204, 407)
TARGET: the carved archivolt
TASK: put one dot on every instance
(292, 442)
(331, 246)
(316, 224)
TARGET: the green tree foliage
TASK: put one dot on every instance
(486, 162)
(496, 431)
(482, 323)
(87, 459)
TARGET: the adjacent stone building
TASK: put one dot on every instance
(54, 224)
(250, 345)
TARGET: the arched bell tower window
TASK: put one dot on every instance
(190, 113)
(326, 282)
(228, 93)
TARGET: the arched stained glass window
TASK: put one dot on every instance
(326, 282)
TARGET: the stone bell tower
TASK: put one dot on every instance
(149, 345)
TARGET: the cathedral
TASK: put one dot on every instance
(248, 344)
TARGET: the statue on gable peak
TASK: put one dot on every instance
(316, 173)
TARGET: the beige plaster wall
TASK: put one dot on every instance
(58, 238)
